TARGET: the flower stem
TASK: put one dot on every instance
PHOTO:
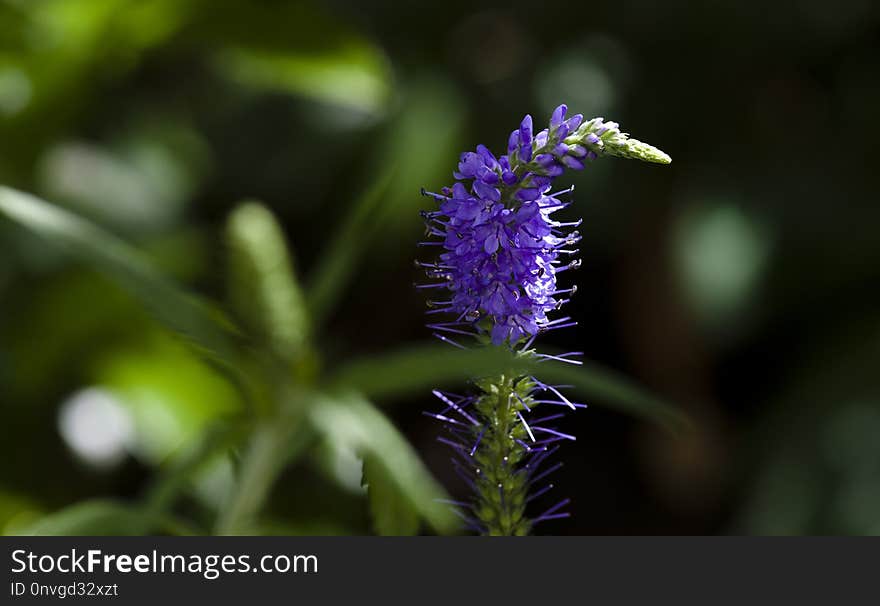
(502, 483)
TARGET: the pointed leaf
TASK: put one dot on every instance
(391, 466)
(179, 311)
(421, 368)
(344, 251)
(263, 287)
(611, 389)
(391, 514)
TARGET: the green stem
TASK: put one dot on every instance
(165, 491)
(274, 441)
(502, 485)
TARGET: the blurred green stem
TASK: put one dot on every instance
(162, 495)
(275, 440)
(340, 259)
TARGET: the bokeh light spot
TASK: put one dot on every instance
(96, 427)
(720, 252)
(15, 91)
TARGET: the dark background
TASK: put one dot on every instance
(742, 282)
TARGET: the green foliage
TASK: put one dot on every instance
(741, 280)
(267, 298)
(296, 48)
(339, 261)
(274, 312)
(419, 368)
(196, 321)
(386, 208)
(273, 444)
(102, 518)
(611, 389)
(351, 75)
(392, 514)
(392, 469)
(424, 367)
(220, 445)
(263, 286)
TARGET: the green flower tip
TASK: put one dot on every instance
(639, 150)
(606, 137)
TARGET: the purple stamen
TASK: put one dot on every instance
(548, 418)
(448, 340)
(538, 493)
(526, 425)
(442, 418)
(477, 443)
(546, 473)
(555, 433)
(455, 407)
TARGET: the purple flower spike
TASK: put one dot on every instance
(500, 254)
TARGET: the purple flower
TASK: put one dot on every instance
(501, 249)
(500, 255)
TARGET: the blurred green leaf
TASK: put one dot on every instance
(612, 390)
(178, 474)
(17, 511)
(101, 518)
(171, 395)
(399, 480)
(112, 316)
(263, 285)
(139, 183)
(274, 443)
(420, 367)
(392, 514)
(353, 74)
(425, 367)
(65, 46)
(421, 140)
(297, 48)
(813, 457)
(343, 253)
(187, 316)
(431, 111)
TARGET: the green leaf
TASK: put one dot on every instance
(392, 515)
(171, 481)
(339, 261)
(187, 316)
(353, 74)
(420, 368)
(274, 444)
(100, 518)
(433, 112)
(170, 395)
(263, 287)
(401, 485)
(613, 390)
(296, 48)
(56, 81)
